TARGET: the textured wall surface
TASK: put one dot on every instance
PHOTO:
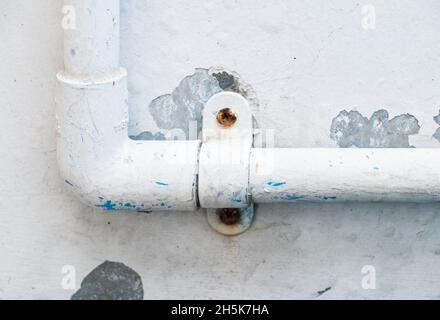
(313, 74)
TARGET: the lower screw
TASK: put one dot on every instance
(230, 216)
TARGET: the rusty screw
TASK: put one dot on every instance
(229, 216)
(226, 117)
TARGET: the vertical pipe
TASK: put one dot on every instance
(97, 159)
(91, 39)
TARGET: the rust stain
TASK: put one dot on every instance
(226, 117)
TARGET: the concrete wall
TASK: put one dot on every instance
(301, 65)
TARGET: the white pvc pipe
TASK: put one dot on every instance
(290, 175)
(96, 157)
(108, 170)
(91, 39)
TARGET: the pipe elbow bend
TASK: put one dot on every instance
(107, 169)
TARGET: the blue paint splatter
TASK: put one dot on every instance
(329, 198)
(162, 205)
(276, 184)
(108, 205)
(289, 197)
(236, 198)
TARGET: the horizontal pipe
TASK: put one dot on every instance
(292, 175)
(110, 171)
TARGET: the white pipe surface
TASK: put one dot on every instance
(110, 171)
(91, 38)
(290, 175)
(96, 157)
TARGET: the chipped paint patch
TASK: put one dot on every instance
(437, 133)
(352, 129)
(111, 281)
(185, 104)
(232, 81)
(110, 205)
(179, 114)
(289, 197)
(147, 135)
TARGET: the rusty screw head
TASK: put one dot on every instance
(229, 216)
(226, 117)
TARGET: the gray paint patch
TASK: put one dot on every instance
(437, 133)
(111, 281)
(437, 118)
(229, 81)
(232, 81)
(176, 112)
(147, 135)
(352, 129)
(185, 104)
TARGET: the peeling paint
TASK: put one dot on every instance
(352, 129)
(437, 133)
(147, 135)
(111, 281)
(185, 103)
(437, 118)
(232, 81)
(110, 205)
(289, 197)
(181, 111)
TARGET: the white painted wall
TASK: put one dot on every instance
(292, 251)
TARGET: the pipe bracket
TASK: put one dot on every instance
(225, 153)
